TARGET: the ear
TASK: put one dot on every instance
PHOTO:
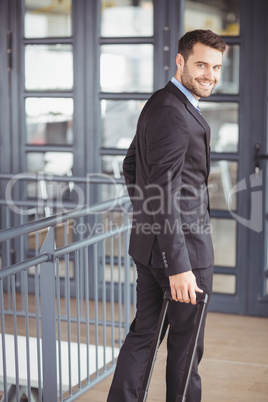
(179, 61)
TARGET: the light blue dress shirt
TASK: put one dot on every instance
(185, 91)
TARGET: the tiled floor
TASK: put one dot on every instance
(234, 367)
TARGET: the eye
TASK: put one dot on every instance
(201, 65)
(217, 67)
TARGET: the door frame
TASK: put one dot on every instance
(257, 301)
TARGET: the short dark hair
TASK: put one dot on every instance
(206, 37)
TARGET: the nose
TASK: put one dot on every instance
(209, 74)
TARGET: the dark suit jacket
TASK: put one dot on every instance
(166, 171)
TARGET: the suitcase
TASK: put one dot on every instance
(202, 299)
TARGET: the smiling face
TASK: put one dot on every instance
(201, 72)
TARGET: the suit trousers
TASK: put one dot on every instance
(134, 353)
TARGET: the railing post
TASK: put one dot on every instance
(48, 320)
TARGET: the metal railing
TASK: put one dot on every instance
(65, 311)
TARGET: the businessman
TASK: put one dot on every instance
(166, 172)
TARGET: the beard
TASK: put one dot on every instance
(194, 87)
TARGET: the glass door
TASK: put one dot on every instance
(222, 111)
(237, 185)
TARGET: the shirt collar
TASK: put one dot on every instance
(185, 91)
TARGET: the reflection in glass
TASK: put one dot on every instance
(126, 68)
(229, 81)
(48, 67)
(119, 120)
(56, 163)
(49, 120)
(127, 18)
(222, 17)
(224, 241)
(223, 120)
(47, 18)
(224, 284)
(223, 177)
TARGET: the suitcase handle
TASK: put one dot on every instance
(201, 298)
(154, 348)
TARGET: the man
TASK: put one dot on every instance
(166, 170)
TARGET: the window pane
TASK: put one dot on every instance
(223, 120)
(50, 163)
(112, 165)
(126, 68)
(127, 18)
(224, 284)
(222, 17)
(46, 18)
(49, 120)
(224, 241)
(119, 120)
(57, 163)
(223, 177)
(229, 81)
(48, 67)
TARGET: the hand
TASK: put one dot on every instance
(183, 287)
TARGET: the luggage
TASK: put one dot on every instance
(202, 299)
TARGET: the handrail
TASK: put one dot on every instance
(99, 179)
(16, 268)
(53, 220)
(90, 240)
(35, 202)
